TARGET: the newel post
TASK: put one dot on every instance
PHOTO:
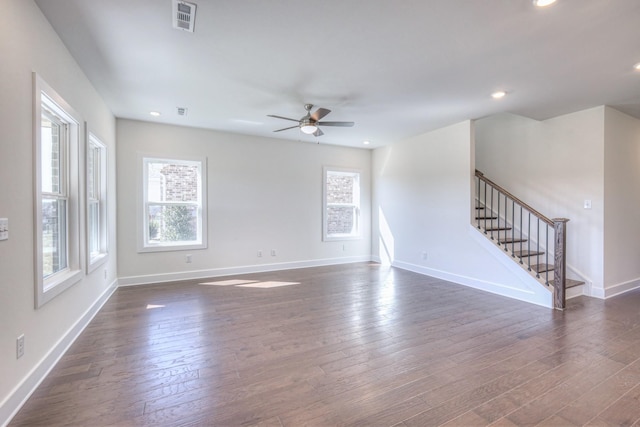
(559, 263)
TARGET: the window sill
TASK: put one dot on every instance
(341, 238)
(171, 248)
(57, 284)
(97, 261)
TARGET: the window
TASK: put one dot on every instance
(341, 210)
(96, 203)
(174, 214)
(57, 214)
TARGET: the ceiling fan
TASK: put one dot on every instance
(310, 123)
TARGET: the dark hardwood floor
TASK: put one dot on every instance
(357, 345)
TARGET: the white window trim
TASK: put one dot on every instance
(93, 262)
(325, 226)
(54, 285)
(142, 200)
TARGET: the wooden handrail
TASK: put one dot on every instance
(481, 176)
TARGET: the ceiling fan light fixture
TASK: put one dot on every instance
(311, 122)
(499, 94)
(543, 3)
(308, 128)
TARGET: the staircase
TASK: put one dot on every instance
(535, 242)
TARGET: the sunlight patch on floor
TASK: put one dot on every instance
(270, 284)
(231, 282)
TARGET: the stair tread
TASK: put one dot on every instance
(526, 253)
(486, 217)
(570, 283)
(511, 240)
(541, 268)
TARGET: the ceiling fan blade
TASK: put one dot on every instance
(318, 132)
(320, 113)
(280, 130)
(280, 117)
(342, 124)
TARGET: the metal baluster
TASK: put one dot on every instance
(485, 207)
(521, 234)
(513, 227)
(546, 257)
(529, 241)
(505, 222)
(498, 215)
(490, 210)
(478, 202)
(538, 246)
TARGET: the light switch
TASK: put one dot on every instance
(4, 228)
(587, 204)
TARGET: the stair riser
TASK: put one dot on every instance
(569, 283)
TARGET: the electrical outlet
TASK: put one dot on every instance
(424, 256)
(20, 346)
(4, 228)
(273, 252)
(259, 254)
(105, 274)
(187, 259)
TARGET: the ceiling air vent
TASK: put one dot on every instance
(184, 15)
(182, 111)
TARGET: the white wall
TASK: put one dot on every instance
(28, 43)
(554, 166)
(263, 194)
(423, 202)
(622, 202)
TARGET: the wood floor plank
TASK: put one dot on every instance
(625, 411)
(596, 400)
(350, 345)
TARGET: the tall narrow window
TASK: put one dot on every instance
(96, 202)
(57, 216)
(174, 205)
(54, 193)
(341, 200)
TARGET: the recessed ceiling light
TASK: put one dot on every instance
(366, 142)
(637, 67)
(154, 113)
(543, 3)
(499, 94)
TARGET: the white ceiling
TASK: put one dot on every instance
(396, 68)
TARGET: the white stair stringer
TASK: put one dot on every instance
(536, 292)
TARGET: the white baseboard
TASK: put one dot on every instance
(543, 298)
(597, 293)
(19, 395)
(620, 288)
(229, 271)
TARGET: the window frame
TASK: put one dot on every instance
(144, 245)
(357, 234)
(96, 259)
(46, 99)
